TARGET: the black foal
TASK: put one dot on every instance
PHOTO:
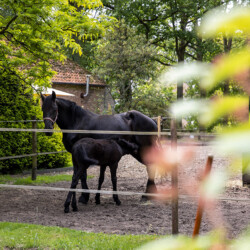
(103, 152)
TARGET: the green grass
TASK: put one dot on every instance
(41, 179)
(25, 236)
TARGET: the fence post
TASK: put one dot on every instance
(34, 149)
(246, 158)
(174, 180)
(159, 126)
(200, 208)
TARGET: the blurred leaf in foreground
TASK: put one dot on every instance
(227, 66)
(185, 72)
(213, 240)
(189, 107)
(213, 185)
(219, 21)
(209, 110)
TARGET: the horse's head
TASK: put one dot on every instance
(50, 111)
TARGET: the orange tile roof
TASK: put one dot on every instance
(71, 72)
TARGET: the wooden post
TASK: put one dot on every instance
(159, 126)
(174, 181)
(34, 150)
(246, 159)
(200, 202)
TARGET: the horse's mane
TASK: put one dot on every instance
(75, 109)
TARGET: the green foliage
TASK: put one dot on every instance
(168, 25)
(51, 144)
(19, 104)
(125, 62)
(153, 99)
(18, 235)
(32, 33)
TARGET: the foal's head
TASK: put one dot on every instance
(50, 111)
(128, 147)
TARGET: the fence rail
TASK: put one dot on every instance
(21, 121)
(181, 134)
(30, 155)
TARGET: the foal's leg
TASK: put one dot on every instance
(101, 179)
(113, 169)
(84, 198)
(75, 179)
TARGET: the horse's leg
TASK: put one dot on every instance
(75, 179)
(150, 187)
(101, 179)
(113, 169)
(74, 203)
(84, 198)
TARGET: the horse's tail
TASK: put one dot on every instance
(83, 158)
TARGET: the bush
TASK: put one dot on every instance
(18, 103)
(51, 144)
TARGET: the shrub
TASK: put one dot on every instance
(18, 103)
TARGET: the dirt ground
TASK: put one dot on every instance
(132, 216)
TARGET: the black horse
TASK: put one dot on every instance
(68, 115)
(103, 152)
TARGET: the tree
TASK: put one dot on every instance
(34, 32)
(125, 62)
(153, 99)
(168, 25)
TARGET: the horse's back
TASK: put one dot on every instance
(104, 151)
(117, 122)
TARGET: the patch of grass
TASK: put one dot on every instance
(41, 179)
(5, 179)
(24, 236)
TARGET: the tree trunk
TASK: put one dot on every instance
(227, 48)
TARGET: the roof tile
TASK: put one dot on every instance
(71, 72)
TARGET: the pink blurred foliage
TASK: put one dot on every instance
(164, 159)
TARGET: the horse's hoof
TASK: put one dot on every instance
(97, 202)
(118, 203)
(82, 200)
(66, 210)
(144, 198)
(74, 209)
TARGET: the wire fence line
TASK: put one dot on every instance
(184, 134)
(82, 131)
(89, 132)
(21, 121)
(109, 192)
(30, 155)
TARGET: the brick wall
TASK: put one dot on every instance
(98, 100)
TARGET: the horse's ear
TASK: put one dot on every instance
(53, 96)
(43, 98)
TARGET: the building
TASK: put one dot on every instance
(93, 95)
